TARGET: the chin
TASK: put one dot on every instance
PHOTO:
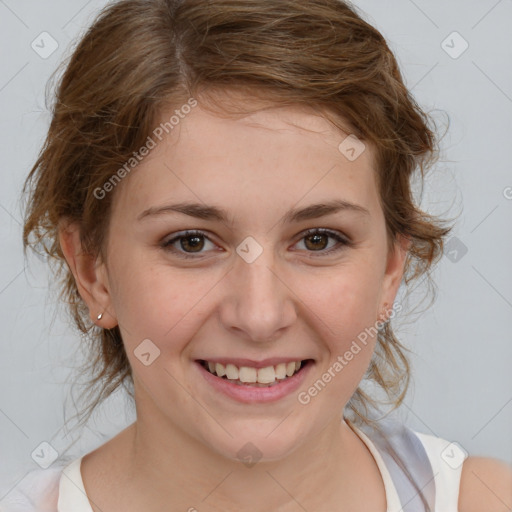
(255, 445)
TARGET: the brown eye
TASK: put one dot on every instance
(317, 240)
(190, 243)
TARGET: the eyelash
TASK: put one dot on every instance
(344, 242)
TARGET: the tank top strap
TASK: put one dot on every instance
(407, 462)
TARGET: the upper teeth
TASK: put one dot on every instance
(265, 375)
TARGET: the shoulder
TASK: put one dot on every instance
(485, 486)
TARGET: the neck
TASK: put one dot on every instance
(182, 470)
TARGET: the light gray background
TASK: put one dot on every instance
(462, 378)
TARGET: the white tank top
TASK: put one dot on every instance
(72, 497)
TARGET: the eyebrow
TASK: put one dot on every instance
(214, 213)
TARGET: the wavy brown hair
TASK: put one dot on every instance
(143, 56)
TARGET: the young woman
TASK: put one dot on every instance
(227, 187)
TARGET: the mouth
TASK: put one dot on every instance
(261, 382)
(252, 382)
(267, 376)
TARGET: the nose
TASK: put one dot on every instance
(257, 303)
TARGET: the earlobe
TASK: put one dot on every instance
(90, 276)
(394, 271)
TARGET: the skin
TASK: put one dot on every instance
(289, 302)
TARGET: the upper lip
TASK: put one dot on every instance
(239, 362)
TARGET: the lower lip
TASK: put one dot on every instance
(253, 394)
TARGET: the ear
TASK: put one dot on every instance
(90, 275)
(393, 274)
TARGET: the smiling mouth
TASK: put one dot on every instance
(255, 377)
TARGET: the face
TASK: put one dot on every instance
(253, 277)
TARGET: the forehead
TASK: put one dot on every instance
(268, 157)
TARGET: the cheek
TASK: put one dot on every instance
(346, 300)
(138, 294)
(158, 302)
(342, 308)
